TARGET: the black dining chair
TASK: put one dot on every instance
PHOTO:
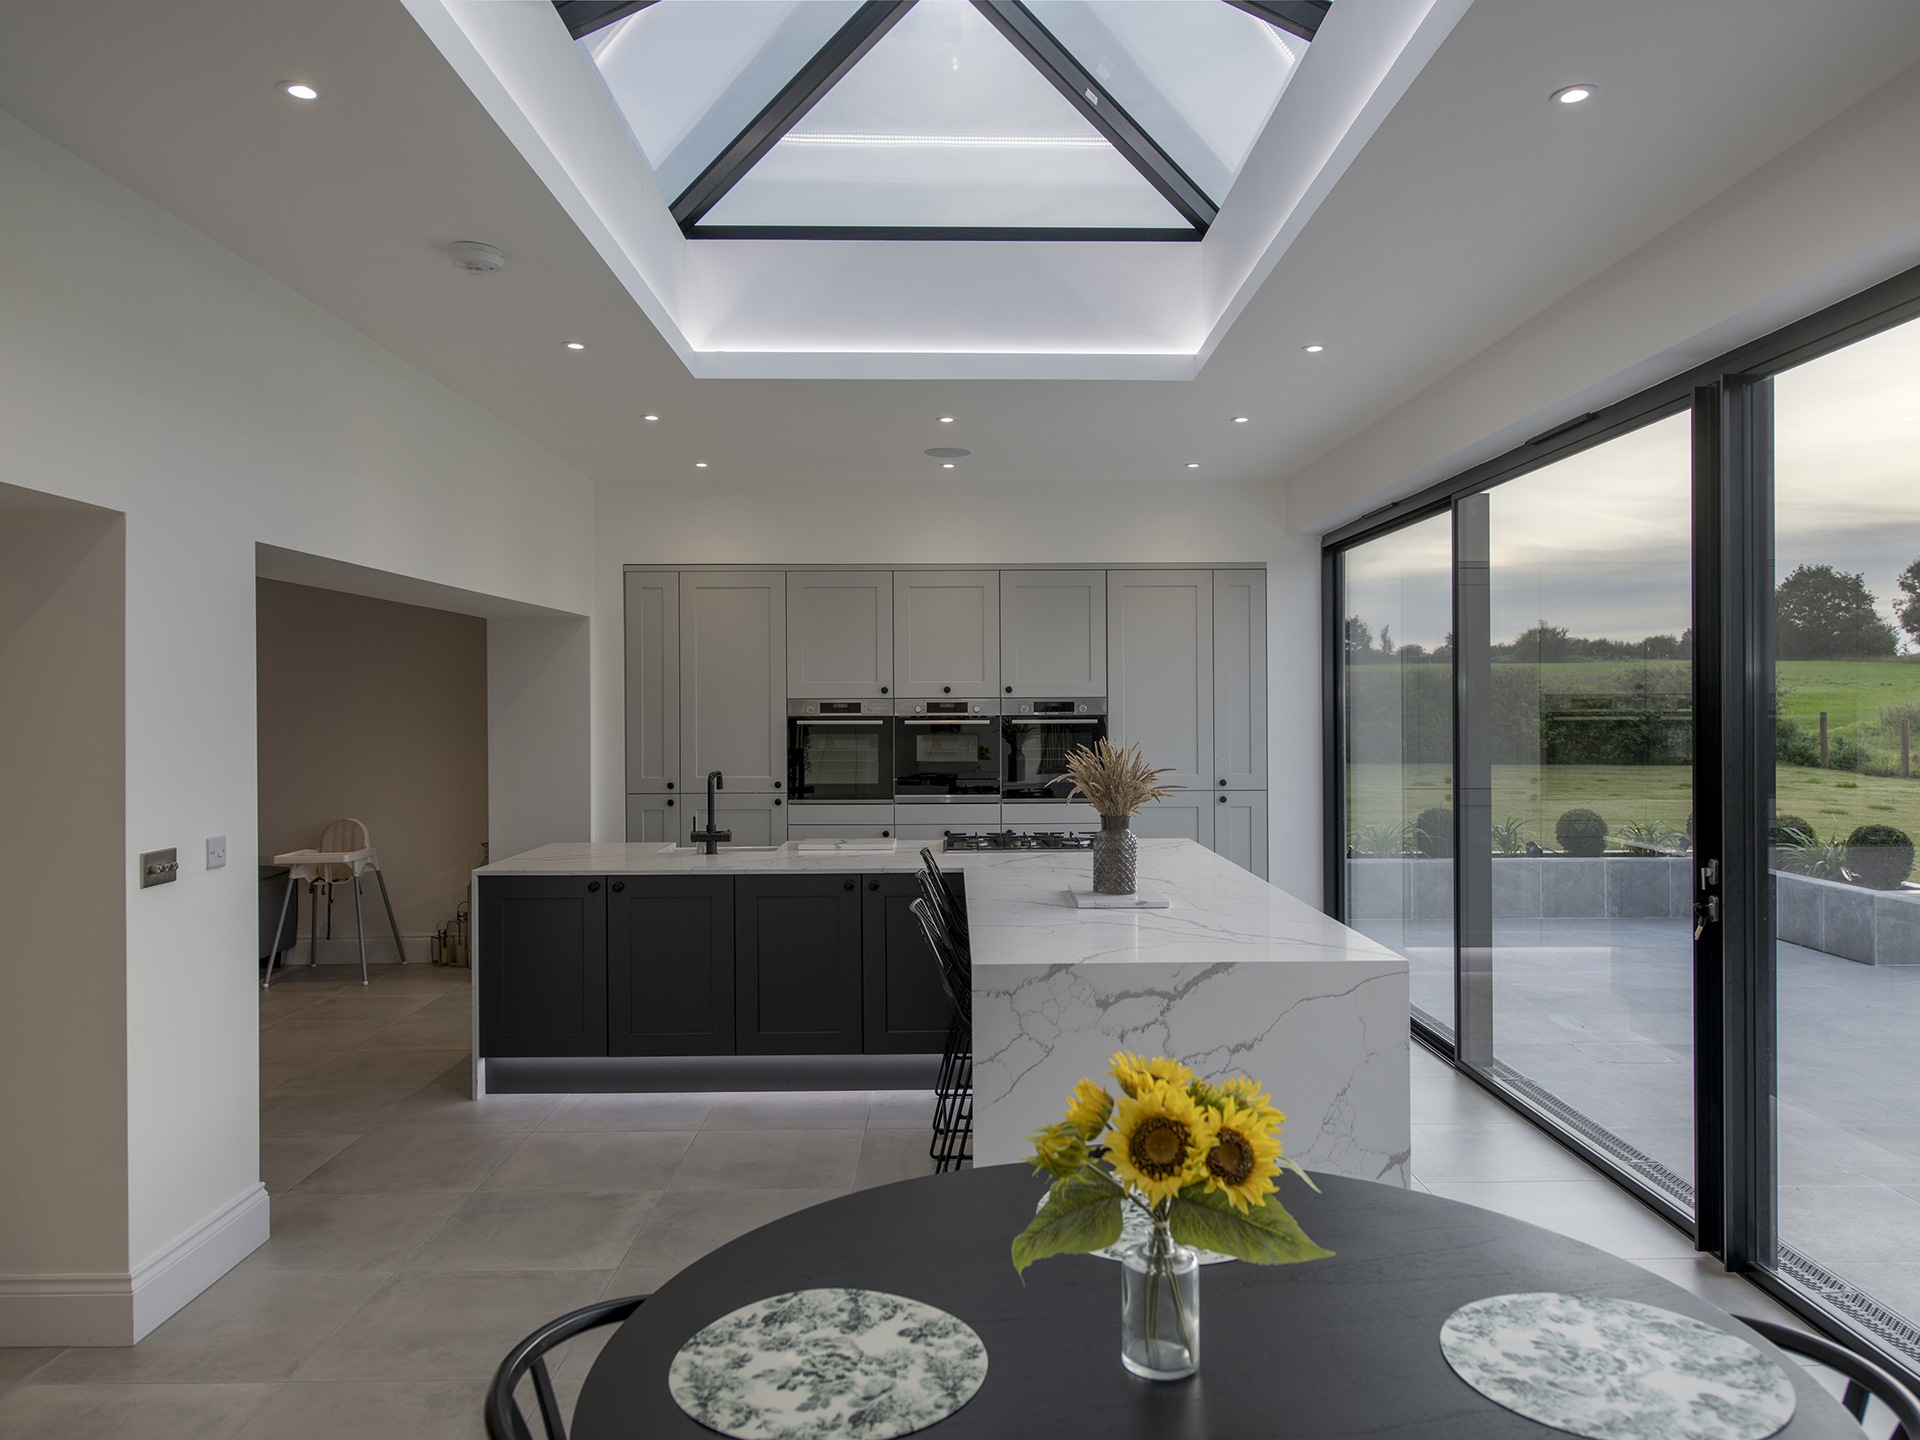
(504, 1420)
(952, 1142)
(1866, 1379)
(938, 888)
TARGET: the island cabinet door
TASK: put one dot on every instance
(670, 965)
(907, 1010)
(796, 964)
(542, 969)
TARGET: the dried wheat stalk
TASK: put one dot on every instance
(1117, 781)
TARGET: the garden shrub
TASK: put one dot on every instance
(1782, 824)
(1879, 856)
(1433, 832)
(1581, 832)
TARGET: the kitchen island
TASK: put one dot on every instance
(1234, 976)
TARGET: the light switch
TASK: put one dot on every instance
(216, 852)
(159, 867)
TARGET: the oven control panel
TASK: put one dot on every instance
(940, 709)
(1043, 708)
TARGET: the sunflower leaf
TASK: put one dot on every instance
(1082, 1213)
(1266, 1234)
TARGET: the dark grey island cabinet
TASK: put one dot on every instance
(683, 965)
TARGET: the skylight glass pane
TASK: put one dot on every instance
(943, 123)
(689, 75)
(1199, 76)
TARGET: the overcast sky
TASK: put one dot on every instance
(1599, 542)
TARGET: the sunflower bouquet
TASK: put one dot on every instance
(1198, 1161)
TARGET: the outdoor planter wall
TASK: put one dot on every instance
(1874, 927)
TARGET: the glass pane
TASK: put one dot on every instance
(689, 75)
(1592, 729)
(1847, 700)
(1200, 78)
(944, 123)
(1397, 593)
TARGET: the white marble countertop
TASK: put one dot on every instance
(1019, 909)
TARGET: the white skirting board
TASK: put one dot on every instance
(122, 1308)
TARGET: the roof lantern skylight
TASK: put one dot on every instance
(945, 119)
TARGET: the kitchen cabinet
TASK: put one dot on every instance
(753, 819)
(797, 964)
(1184, 815)
(670, 965)
(1160, 670)
(542, 969)
(653, 681)
(733, 679)
(839, 634)
(906, 1010)
(1053, 633)
(1240, 679)
(653, 819)
(1240, 828)
(946, 634)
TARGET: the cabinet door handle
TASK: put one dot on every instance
(846, 884)
(776, 801)
(873, 884)
(669, 784)
(1009, 689)
(1223, 799)
(776, 784)
(669, 804)
(886, 834)
(883, 689)
(618, 886)
(592, 886)
(1223, 782)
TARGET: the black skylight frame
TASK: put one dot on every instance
(1025, 33)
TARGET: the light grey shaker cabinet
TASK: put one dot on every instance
(653, 681)
(946, 634)
(1240, 828)
(1240, 679)
(839, 634)
(653, 819)
(1053, 633)
(1160, 670)
(753, 819)
(1186, 815)
(733, 679)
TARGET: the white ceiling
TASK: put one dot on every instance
(1474, 206)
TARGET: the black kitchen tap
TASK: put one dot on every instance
(711, 836)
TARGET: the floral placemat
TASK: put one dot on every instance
(817, 1364)
(1615, 1370)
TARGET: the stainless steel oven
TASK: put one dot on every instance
(839, 750)
(1038, 735)
(947, 750)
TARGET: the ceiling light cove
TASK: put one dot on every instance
(828, 197)
(1573, 94)
(299, 90)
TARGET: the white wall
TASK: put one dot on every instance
(148, 371)
(1825, 219)
(538, 711)
(1032, 523)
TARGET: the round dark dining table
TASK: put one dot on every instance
(1345, 1347)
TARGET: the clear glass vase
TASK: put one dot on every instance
(1115, 856)
(1160, 1307)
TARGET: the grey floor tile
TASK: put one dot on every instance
(397, 1067)
(286, 1160)
(1505, 1147)
(321, 1107)
(1840, 1223)
(424, 1030)
(686, 1225)
(890, 1155)
(254, 1326)
(370, 1410)
(129, 1412)
(630, 1112)
(1595, 1211)
(770, 1160)
(439, 1104)
(374, 1233)
(447, 1326)
(593, 1160)
(803, 1110)
(501, 1230)
(17, 1363)
(901, 1110)
(440, 1157)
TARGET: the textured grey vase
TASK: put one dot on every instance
(1114, 854)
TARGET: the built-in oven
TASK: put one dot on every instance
(1038, 734)
(839, 750)
(947, 750)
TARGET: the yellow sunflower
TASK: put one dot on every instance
(1251, 1097)
(1059, 1150)
(1241, 1160)
(1090, 1108)
(1135, 1073)
(1160, 1140)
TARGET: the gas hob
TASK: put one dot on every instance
(1016, 840)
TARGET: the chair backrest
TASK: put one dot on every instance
(1866, 1380)
(504, 1420)
(954, 979)
(345, 835)
(940, 890)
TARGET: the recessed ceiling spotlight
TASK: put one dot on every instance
(1240, 419)
(1313, 349)
(1573, 94)
(699, 464)
(300, 90)
(946, 419)
(947, 465)
(649, 417)
(1193, 464)
(575, 345)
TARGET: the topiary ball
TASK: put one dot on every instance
(1879, 856)
(1434, 827)
(1782, 824)
(1581, 832)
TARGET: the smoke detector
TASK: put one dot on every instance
(475, 258)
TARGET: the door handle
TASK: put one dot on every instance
(592, 886)
(1223, 799)
(618, 886)
(846, 884)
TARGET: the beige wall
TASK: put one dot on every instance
(378, 711)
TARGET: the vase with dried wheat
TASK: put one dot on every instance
(1117, 781)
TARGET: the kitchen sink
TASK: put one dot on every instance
(725, 849)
